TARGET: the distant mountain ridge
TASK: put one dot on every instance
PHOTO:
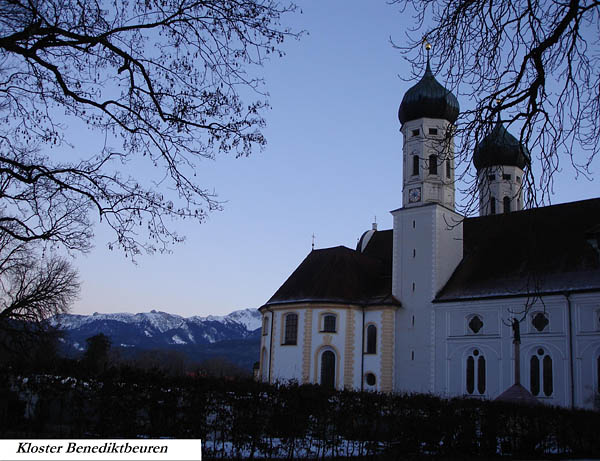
(196, 336)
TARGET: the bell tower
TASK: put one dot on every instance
(500, 161)
(427, 115)
(427, 243)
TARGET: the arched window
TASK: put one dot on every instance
(492, 205)
(328, 369)
(329, 321)
(540, 370)
(415, 166)
(476, 373)
(433, 164)
(371, 339)
(291, 329)
(264, 366)
(506, 202)
(265, 326)
(448, 169)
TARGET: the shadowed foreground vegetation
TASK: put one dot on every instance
(244, 419)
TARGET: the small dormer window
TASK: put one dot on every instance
(506, 177)
(433, 131)
(415, 132)
(491, 177)
(518, 178)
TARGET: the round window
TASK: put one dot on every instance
(370, 378)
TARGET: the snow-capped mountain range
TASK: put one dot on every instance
(158, 330)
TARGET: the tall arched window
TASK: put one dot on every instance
(264, 366)
(540, 370)
(492, 205)
(328, 369)
(433, 164)
(476, 373)
(291, 329)
(371, 339)
(265, 326)
(415, 165)
(506, 201)
(448, 169)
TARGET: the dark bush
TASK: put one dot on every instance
(245, 419)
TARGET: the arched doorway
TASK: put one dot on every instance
(328, 369)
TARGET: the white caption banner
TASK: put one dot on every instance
(100, 449)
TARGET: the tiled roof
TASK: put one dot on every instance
(342, 276)
(538, 251)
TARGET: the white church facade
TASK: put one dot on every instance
(426, 306)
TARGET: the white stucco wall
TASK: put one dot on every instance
(495, 340)
(427, 247)
(302, 362)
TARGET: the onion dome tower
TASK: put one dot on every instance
(500, 161)
(427, 115)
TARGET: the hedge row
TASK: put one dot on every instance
(246, 419)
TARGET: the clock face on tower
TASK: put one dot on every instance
(414, 195)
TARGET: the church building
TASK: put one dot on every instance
(427, 306)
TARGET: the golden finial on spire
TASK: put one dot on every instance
(427, 45)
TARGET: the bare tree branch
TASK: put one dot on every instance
(534, 62)
(162, 79)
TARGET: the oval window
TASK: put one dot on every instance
(370, 378)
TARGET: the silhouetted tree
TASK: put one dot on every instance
(532, 63)
(162, 83)
(221, 367)
(34, 286)
(96, 355)
(167, 361)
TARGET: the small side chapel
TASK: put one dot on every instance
(426, 305)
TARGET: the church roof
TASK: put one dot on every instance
(500, 148)
(541, 250)
(340, 275)
(428, 98)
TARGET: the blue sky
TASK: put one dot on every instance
(332, 163)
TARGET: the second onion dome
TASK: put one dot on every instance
(500, 148)
(428, 98)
